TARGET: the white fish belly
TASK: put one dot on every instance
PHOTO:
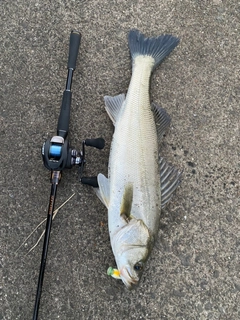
(134, 153)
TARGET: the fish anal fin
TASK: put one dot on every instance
(126, 205)
(103, 191)
(170, 178)
(162, 119)
(113, 106)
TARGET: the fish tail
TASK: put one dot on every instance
(158, 47)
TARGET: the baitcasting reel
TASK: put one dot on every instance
(58, 155)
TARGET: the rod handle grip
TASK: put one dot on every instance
(64, 117)
(75, 39)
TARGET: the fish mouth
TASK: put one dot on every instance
(130, 281)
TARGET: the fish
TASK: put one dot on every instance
(139, 183)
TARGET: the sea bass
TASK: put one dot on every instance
(139, 182)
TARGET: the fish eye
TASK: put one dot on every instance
(138, 266)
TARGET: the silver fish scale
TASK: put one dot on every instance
(134, 152)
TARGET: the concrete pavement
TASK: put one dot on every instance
(194, 269)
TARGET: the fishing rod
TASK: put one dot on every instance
(58, 155)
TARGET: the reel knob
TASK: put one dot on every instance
(98, 143)
(91, 181)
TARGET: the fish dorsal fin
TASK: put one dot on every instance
(126, 205)
(103, 191)
(162, 119)
(113, 106)
(170, 178)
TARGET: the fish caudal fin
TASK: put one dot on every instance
(158, 47)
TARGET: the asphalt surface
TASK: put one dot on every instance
(194, 269)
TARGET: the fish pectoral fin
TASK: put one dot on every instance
(126, 204)
(170, 178)
(162, 119)
(103, 191)
(113, 106)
